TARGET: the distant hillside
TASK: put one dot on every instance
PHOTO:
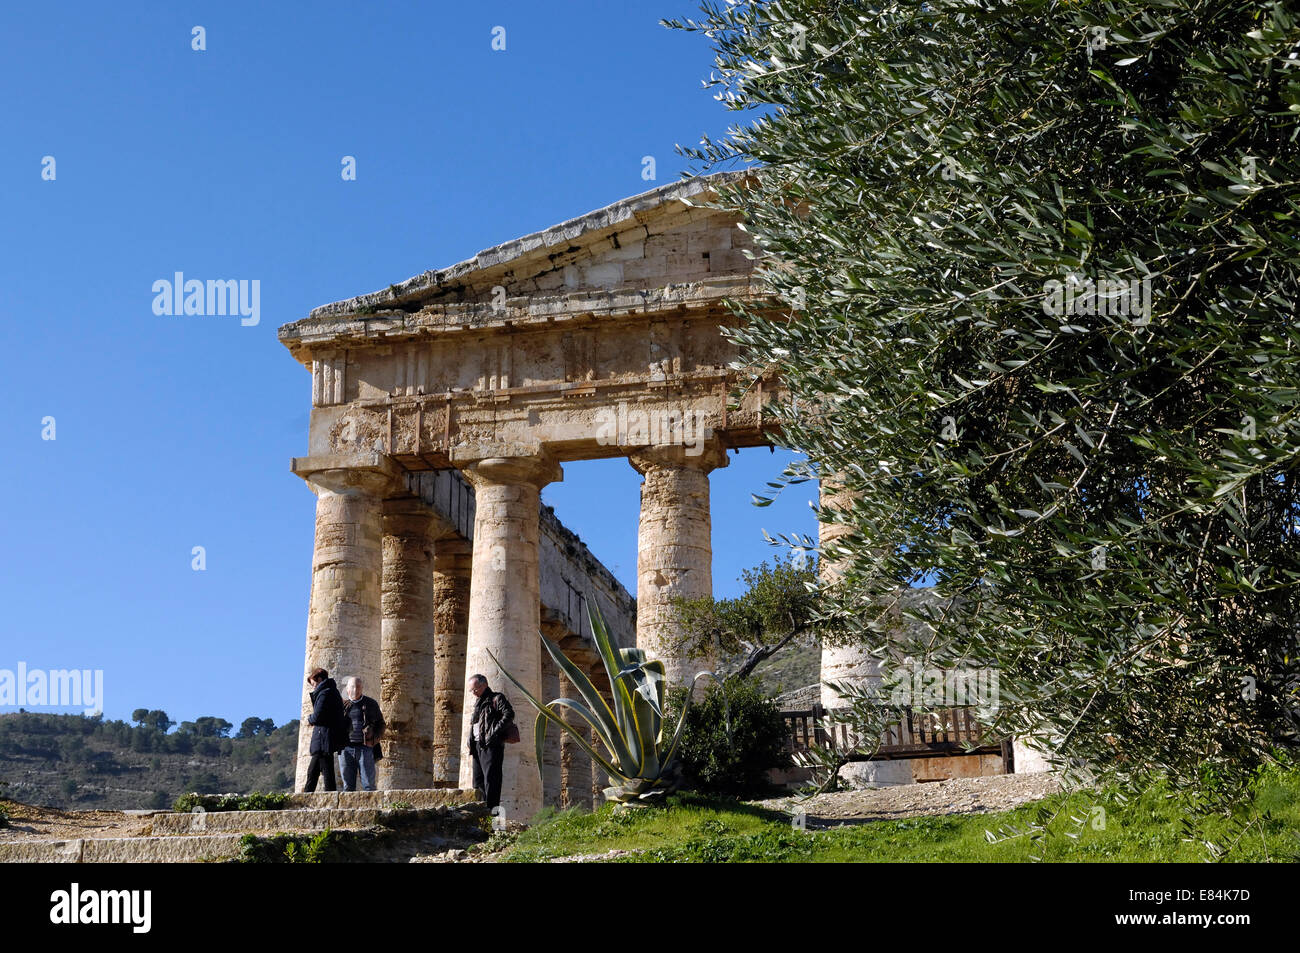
(797, 665)
(72, 761)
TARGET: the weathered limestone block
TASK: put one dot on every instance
(343, 622)
(452, 562)
(1029, 760)
(408, 669)
(504, 611)
(674, 549)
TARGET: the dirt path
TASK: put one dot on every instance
(27, 821)
(958, 796)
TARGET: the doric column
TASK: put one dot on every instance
(575, 764)
(343, 620)
(599, 779)
(674, 549)
(452, 562)
(504, 611)
(408, 663)
(551, 771)
(852, 663)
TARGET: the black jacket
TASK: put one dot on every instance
(328, 734)
(371, 717)
(493, 713)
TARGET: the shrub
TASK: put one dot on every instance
(289, 848)
(732, 738)
(257, 801)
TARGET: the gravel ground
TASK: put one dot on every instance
(959, 796)
(29, 822)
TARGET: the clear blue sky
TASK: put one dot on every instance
(175, 432)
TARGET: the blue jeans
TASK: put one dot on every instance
(358, 756)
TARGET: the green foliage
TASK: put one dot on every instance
(320, 848)
(156, 719)
(112, 759)
(1102, 485)
(257, 801)
(1085, 826)
(732, 738)
(641, 760)
(776, 607)
(256, 727)
(4, 816)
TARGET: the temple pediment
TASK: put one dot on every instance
(661, 248)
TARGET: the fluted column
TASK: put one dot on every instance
(408, 662)
(551, 771)
(343, 619)
(452, 564)
(504, 611)
(849, 663)
(674, 550)
(575, 764)
(599, 779)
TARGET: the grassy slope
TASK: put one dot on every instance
(1147, 829)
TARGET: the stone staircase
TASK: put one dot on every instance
(412, 822)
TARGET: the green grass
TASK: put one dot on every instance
(1150, 828)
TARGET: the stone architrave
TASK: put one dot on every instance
(674, 549)
(344, 632)
(504, 611)
(452, 564)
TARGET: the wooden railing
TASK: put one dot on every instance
(946, 732)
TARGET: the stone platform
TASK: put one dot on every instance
(207, 836)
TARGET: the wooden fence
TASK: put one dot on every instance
(946, 733)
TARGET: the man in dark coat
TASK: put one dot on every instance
(326, 719)
(365, 726)
(487, 739)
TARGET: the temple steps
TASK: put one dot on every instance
(206, 836)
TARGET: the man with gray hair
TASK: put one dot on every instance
(365, 725)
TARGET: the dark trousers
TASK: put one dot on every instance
(321, 760)
(487, 772)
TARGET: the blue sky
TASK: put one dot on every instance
(175, 432)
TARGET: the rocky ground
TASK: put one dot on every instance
(959, 796)
(29, 821)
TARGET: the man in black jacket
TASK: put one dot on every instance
(487, 739)
(326, 719)
(365, 726)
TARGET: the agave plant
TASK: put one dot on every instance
(639, 765)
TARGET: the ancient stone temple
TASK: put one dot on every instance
(441, 406)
